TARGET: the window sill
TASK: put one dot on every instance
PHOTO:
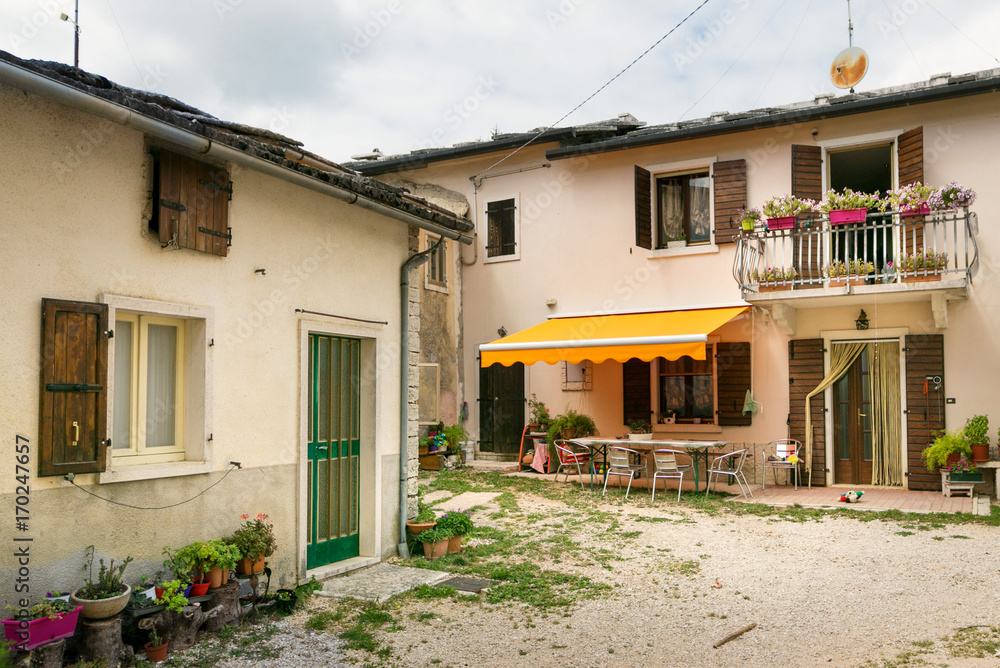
(703, 249)
(501, 258)
(686, 429)
(153, 471)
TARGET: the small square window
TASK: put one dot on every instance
(683, 208)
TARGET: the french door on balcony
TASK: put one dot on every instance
(852, 424)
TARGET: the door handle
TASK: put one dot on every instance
(861, 415)
(76, 434)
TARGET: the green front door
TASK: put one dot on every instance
(334, 448)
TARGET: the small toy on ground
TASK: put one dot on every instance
(851, 497)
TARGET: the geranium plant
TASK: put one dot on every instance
(834, 200)
(909, 197)
(787, 205)
(923, 260)
(255, 539)
(749, 218)
(962, 466)
(951, 196)
(539, 413)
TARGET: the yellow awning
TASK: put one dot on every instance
(620, 337)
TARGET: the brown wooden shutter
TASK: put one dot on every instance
(74, 393)
(643, 208)
(924, 412)
(193, 207)
(805, 372)
(807, 171)
(730, 184)
(910, 152)
(733, 367)
(637, 402)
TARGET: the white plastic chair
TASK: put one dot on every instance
(666, 466)
(569, 457)
(620, 464)
(776, 456)
(729, 464)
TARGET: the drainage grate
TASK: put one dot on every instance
(471, 585)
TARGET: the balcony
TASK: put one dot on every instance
(920, 258)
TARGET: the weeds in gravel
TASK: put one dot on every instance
(975, 642)
(247, 643)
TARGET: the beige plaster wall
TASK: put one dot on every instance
(577, 247)
(74, 201)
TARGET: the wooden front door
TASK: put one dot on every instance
(334, 449)
(501, 408)
(852, 424)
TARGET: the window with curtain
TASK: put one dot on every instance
(687, 387)
(148, 419)
(683, 207)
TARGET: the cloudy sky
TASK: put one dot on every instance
(346, 76)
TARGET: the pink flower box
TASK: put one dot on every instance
(844, 216)
(920, 211)
(783, 223)
(40, 631)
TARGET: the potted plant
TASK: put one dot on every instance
(539, 413)
(640, 430)
(424, 520)
(781, 211)
(774, 278)
(911, 199)
(435, 542)
(49, 619)
(677, 242)
(570, 425)
(840, 272)
(455, 435)
(255, 540)
(171, 594)
(976, 429)
(964, 471)
(749, 219)
(108, 595)
(848, 206)
(459, 523)
(156, 648)
(951, 196)
(922, 265)
(947, 449)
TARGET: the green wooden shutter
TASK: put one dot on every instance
(733, 368)
(924, 412)
(74, 392)
(730, 194)
(636, 399)
(805, 372)
(643, 208)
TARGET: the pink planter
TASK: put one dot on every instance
(843, 216)
(920, 211)
(783, 223)
(40, 631)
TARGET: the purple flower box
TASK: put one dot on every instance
(27, 636)
(844, 216)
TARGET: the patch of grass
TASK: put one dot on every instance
(976, 642)
(319, 621)
(904, 533)
(426, 592)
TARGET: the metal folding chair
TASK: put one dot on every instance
(776, 456)
(570, 456)
(665, 466)
(620, 464)
(729, 464)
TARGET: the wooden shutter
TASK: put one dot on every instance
(910, 154)
(807, 182)
(805, 372)
(74, 393)
(637, 402)
(924, 412)
(193, 206)
(500, 232)
(643, 208)
(730, 185)
(732, 362)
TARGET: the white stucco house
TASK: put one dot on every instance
(578, 268)
(181, 294)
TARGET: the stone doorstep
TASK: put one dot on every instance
(380, 582)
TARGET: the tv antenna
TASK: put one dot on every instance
(850, 65)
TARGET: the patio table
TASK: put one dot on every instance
(698, 449)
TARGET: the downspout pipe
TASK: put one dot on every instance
(61, 93)
(404, 389)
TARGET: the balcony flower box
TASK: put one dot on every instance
(781, 223)
(40, 631)
(915, 211)
(921, 277)
(845, 216)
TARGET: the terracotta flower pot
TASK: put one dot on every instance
(981, 453)
(215, 577)
(435, 550)
(454, 545)
(415, 528)
(247, 567)
(156, 654)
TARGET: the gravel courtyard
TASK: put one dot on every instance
(586, 581)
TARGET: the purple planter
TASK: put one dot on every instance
(844, 216)
(29, 635)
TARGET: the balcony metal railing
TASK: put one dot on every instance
(802, 257)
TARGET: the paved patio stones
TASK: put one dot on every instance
(465, 500)
(380, 582)
(437, 495)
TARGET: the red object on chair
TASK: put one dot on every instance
(570, 457)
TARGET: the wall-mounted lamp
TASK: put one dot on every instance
(862, 321)
(502, 331)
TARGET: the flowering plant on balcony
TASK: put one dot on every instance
(774, 275)
(909, 197)
(834, 200)
(839, 268)
(748, 218)
(923, 260)
(787, 205)
(951, 196)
